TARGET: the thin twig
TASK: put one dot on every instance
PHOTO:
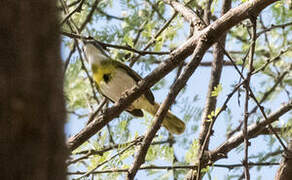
(69, 5)
(74, 26)
(152, 167)
(109, 16)
(77, 9)
(274, 27)
(255, 100)
(128, 48)
(269, 61)
(135, 58)
(67, 61)
(87, 153)
(207, 12)
(106, 161)
(155, 8)
(99, 108)
(253, 131)
(140, 30)
(268, 44)
(263, 99)
(89, 16)
(247, 87)
(210, 132)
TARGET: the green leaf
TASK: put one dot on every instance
(192, 154)
(278, 4)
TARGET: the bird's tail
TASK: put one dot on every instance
(172, 123)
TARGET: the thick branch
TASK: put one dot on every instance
(186, 12)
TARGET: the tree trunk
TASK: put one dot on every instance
(32, 109)
(285, 170)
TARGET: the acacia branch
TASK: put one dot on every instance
(186, 12)
(153, 40)
(253, 130)
(109, 16)
(251, 94)
(213, 32)
(89, 16)
(247, 87)
(274, 27)
(86, 153)
(77, 9)
(107, 160)
(105, 45)
(263, 99)
(67, 61)
(211, 101)
(125, 170)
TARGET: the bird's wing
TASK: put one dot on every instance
(148, 94)
(134, 112)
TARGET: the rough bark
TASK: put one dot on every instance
(32, 109)
(285, 170)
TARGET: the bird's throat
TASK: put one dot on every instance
(102, 72)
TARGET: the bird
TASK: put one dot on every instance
(113, 79)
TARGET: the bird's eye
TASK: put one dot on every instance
(106, 77)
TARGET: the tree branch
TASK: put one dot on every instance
(211, 101)
(253, 130)
(247, 87)
(228, 166)
(89, 16)
(77, 9)
(86, 153)
(263, 99)
(285, 170)
(186, 12)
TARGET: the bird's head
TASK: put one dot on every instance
(94, 53)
